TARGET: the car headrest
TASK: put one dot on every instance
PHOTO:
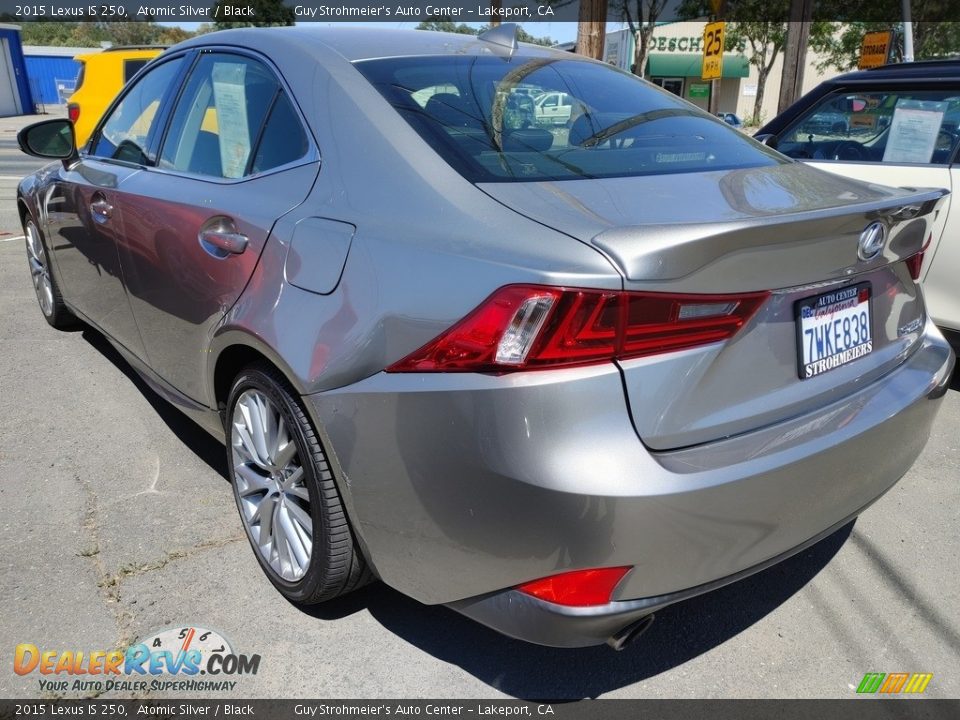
(582, 128)
(452, 110)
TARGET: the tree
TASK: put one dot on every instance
(641, 17)
(93, 34)
(144, 32)
(765, 40)
(173, 35)
(841, 46)
(445, 25)
(266, 13)
(442, 25)
(524, 36)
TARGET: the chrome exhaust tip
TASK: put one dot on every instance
(620, 639)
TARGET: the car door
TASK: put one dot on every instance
(896, 134)
(235, 158)
(80, 208)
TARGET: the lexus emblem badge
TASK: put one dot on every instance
(872, 240)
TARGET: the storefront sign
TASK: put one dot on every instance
(875, 49)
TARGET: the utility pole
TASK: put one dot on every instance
(795, 52)
(496, 6)
(907, 33)
(592, 28)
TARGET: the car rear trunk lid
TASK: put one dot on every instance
(790, 230)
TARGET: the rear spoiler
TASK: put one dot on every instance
(773, 251)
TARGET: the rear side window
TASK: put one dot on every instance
(218, 118)
(283, 140)
(485, 116)
(132, 67)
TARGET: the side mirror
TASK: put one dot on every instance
(52, 139)
(767, 139)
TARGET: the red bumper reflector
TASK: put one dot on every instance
(579, 588)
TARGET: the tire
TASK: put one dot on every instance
(45, 285)
(290, 488)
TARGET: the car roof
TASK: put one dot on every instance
(925, 69)
(361, 43)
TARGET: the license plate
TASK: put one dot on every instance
(833, 329)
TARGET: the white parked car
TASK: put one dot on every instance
(896, 125)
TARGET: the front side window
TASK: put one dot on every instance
(217, 121)
(545, 118)
(884, 126)
(126, 132)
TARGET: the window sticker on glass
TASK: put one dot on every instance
(914, 130)
(229, 97)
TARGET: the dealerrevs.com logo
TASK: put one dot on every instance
(188, 658)
(894, 683)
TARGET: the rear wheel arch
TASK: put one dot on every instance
(343, 565)
(231, 360)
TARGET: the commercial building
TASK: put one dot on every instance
(52, 72)
(14, 88)
(675, 60)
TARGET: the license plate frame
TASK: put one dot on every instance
(809, 314)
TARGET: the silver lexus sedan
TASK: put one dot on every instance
(555, 376)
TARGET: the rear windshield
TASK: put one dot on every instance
(542, 118)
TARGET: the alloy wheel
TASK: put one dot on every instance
(39, 269)
(270, 486)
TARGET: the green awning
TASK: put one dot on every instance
(690, 64)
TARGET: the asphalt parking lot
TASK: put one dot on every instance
(118, 521)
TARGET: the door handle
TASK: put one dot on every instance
(101, 209)
(222, 239)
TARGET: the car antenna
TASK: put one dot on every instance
(503, 35)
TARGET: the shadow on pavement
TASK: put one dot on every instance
(194, 437)
(681, 632)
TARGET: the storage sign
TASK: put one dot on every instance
(875, 49)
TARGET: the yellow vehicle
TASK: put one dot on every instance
(102, 75)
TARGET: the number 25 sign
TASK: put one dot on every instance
(712, 51)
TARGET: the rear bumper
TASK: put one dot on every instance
(528, 618)
(463, 486)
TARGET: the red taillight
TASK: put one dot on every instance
(578, 588)
(524, 327)
(915, 262)
(73, 112)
